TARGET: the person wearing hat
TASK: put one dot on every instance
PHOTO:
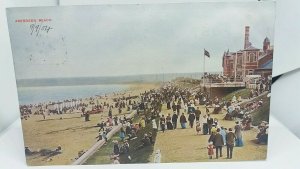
(191, 119)
(154, 125)
(28, 151)
(116, 148)
(151, 138)
(174, 120)
(183, 121)
(204, 125)
(168, 104)
(230, 138)
(238, 134)
(162, 123)
(198, 127)
(218, 143)
(197, 114)
(174, 106)
(233, 100)
(210, 150)
(169, 123)
(213, 128)
(223, 133)
(210, 122)
(146, 140)
(122, 134)
(126, 148)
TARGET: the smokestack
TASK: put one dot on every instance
(246, 43)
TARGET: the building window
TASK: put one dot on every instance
(251, 57)
(231, 65)
(239, 60)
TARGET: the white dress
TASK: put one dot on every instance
(154, 125)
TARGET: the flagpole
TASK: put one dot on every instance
(235, 62)
(204, 68)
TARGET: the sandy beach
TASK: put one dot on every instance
(70, 131)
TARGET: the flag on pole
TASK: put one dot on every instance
(206, 53)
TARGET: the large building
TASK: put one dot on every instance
(248, 61)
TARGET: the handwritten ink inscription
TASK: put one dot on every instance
(37, 29)
(47, 50)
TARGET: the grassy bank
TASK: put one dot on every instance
(102, 155)
(258, 115)
(140, 155)
(262, 113)
(244, 93)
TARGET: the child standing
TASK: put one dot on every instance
(210, 150)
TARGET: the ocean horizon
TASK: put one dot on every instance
(35, 91)
(128, 79)
(45, 94)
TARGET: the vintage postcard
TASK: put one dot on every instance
(144, 83)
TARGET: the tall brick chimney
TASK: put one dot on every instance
(247, 43)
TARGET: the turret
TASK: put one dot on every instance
(266, 44)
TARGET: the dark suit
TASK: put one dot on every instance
(218, 143)
(230, 138)
(191, 119)
(197, 114)
(174, 120)
(209, 124)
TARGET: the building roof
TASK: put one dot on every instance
(267, 65)
(251, 48)
(231, 54)
(269, 52)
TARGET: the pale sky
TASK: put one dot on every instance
(114, 40)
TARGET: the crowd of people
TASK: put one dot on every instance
(146, 110)
(84, 106)
(237, 110)
(184, 103)
(185, 106)
(262, 136)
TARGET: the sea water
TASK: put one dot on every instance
(43, 94)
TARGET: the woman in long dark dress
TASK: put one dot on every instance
(168, 105)
(238, 134)
(183, 121)
(205, 126)
(162, 123)
(174, 106)
(169, 123)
